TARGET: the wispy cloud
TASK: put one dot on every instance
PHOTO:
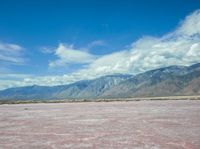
(96, 43)
(46, 50)
(191, 25)
(11, 53)
(8, 80)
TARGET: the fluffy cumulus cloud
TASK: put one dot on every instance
(67, 54)
(180, 47)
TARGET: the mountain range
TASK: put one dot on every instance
(168, 81)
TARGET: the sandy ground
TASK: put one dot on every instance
(136, 125)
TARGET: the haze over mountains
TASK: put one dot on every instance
(168, 81)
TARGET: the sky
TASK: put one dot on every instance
(54, 42)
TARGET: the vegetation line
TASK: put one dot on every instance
(197, 97)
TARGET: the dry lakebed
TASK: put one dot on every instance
(161, 124)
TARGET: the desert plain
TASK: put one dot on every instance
(145, 124)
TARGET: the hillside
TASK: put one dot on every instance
(168, 81)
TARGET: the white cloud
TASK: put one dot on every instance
(11, 53)
(191, 25)
(10, 47)
(8, 80)
(46, 50)
(67, 54)
(180, 47)
(96, 43)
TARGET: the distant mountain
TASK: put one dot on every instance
(89, 88)
(168, 81)
(78, 90)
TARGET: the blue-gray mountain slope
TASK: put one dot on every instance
(168, 81)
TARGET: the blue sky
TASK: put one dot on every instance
(58, 42)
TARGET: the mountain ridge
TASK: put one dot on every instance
(167, 81)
